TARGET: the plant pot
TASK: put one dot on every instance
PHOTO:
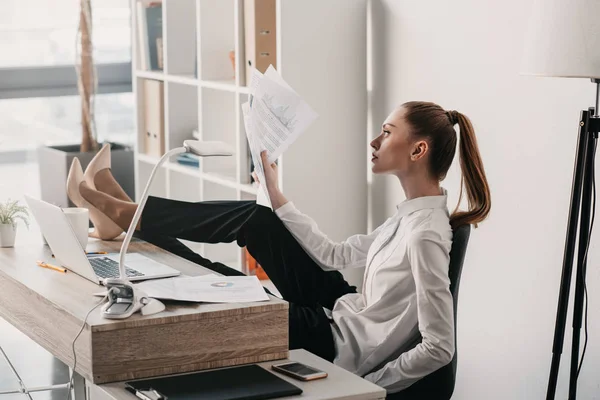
(55, 161)
(7, 235)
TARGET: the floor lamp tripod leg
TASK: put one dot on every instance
(569, 252)
(584, 232)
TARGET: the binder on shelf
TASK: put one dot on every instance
(260, 39)
(253, 267)
(154, 121)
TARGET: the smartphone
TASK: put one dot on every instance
(299, 371)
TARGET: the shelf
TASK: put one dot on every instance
(158, 187)
(181, 111)
(180, 50)
(249, 189)
(227, 253)
(219, 120)
(184, 169)
(217, 39)
(225, 84)
(215, 178)
(183, 79)
(203, 91)
(159, 76)
(184, 187)
(147, 159)
(220, 179)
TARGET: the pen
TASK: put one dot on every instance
(50, 266)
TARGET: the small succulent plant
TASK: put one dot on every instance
(11, 211)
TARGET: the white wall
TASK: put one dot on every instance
(465, 55)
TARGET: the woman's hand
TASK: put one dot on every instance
(271, 174)
(272, 184)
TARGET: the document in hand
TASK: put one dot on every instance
(274, 117)
(206, 289)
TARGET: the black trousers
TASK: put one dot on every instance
(298, 278)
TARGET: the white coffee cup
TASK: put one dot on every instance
(80, 220)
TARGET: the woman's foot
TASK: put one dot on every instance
(98, 175)
(119, 211)
(104, 227)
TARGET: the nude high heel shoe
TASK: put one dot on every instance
(104, 227)
(100, 162)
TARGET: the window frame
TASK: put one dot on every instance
(61, 80)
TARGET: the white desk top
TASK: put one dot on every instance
(339, 385)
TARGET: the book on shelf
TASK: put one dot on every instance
(188, 159)
(149, 36)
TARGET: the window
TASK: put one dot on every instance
(30, 122)
(39, 100)
(37, 33)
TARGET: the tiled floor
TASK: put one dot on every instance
(33, 364)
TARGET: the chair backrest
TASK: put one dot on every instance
(439, 385)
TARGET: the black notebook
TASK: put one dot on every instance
(245, 382)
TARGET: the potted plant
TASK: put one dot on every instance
(55, 160)
(10, 212)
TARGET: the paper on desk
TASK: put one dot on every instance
(274, 117)
(206, 289)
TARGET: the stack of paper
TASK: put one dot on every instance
(206, 289)
(274, 117)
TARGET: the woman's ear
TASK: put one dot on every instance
(419, 150)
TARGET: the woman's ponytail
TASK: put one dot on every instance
(473, 178)
(429, 120)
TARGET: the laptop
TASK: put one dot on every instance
(63, 242)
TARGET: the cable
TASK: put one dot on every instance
(593, 168)
(73, 344)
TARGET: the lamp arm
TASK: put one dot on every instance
(140, 208)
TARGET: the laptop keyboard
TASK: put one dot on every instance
(107, 268)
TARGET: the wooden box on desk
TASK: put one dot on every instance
(50, 307)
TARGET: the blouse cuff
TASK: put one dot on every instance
(285, 209)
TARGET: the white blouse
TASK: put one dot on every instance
(406, 290)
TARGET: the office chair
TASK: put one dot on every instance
(439, 385)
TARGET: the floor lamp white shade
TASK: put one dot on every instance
(563, 39)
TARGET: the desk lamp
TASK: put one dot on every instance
(563, 40)
(123, 298)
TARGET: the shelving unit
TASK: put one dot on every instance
(321, 50)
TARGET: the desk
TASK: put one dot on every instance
(339, 385)
(50, 308)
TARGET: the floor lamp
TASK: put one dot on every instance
(563, 40)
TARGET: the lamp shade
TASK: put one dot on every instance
(563, 39)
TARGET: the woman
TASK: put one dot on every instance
(406, 284)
